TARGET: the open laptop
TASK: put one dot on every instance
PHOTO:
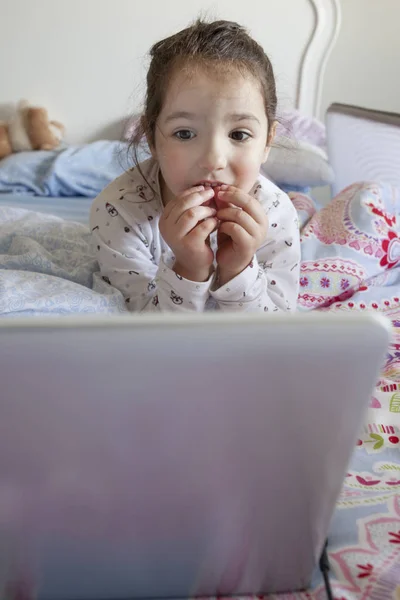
(176, 456)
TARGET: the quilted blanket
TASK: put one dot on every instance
(351, 262)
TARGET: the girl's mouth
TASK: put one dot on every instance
(210, 183)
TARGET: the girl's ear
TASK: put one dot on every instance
(270, 139)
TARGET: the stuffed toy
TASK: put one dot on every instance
(5, 144)
(29, 129)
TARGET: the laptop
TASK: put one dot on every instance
(171, 456)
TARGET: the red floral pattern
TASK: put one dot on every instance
(391, 248)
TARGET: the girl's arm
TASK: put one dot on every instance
(271, 281)
(125, 252)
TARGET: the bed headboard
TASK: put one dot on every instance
(85, 60)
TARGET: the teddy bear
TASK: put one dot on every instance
(29, 129)
(5, 144)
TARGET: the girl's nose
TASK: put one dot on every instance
(213, 157)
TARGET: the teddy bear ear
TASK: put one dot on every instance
(58, 125)
(23, 104)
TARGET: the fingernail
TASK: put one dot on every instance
(224, 186)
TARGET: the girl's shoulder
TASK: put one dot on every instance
(129, 192)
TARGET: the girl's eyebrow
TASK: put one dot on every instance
(243, 117)
(192, 117)
(180, 115)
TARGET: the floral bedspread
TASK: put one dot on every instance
(351, 261)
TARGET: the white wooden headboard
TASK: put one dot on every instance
(85, 60)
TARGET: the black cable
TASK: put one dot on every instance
(324, 567)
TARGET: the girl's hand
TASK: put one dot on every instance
(186, 226)
(243, 229)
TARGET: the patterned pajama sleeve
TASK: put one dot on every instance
(271, 281)
(126, 262)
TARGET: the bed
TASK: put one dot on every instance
(75, 209)
(350, 253)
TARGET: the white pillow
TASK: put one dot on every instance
(292, 162)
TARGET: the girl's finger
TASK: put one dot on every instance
(238, 235)
(190, 201)
(238, 215)
(168, 209)
(245, 202)
(191, 217)
(204, 229)
(172, 205)
(196, 188)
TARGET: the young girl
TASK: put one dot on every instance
(195, 227)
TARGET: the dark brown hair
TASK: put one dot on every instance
(221, 45)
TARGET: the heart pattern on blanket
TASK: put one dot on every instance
(354, 244)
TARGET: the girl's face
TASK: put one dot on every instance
(210, 129)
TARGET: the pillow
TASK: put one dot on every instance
(298, 164)
(290, 189)
(293, 124)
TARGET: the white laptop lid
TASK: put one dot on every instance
(176, 456)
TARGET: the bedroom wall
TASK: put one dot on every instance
(85, 59)
(364, 65)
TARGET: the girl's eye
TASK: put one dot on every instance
(240, 136)
(184, 134)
